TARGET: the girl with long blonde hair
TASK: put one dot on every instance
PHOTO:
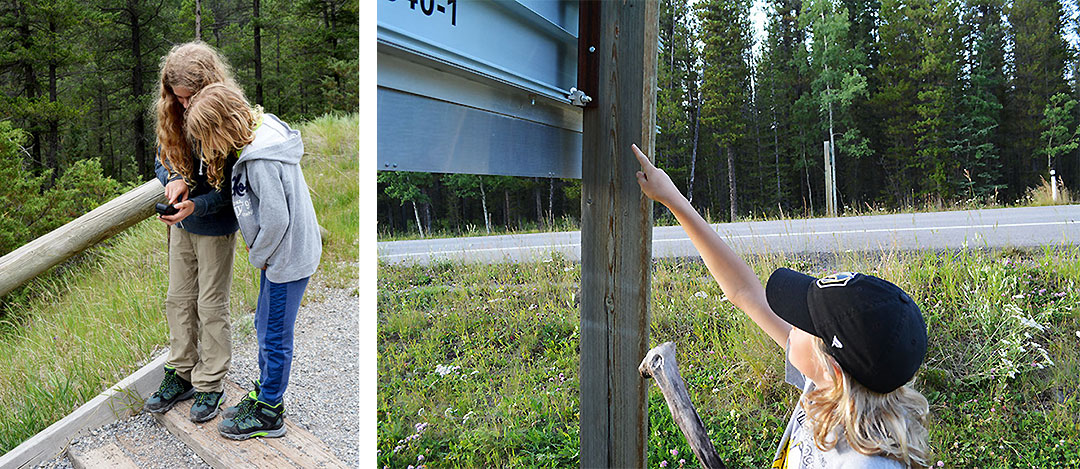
(277, 220)
(201, 251)
(852, 343)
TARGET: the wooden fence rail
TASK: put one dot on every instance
(116, 215)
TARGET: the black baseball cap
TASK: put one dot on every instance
(871, 327)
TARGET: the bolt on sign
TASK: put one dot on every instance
(479, 87)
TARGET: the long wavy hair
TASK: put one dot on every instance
(221, 122)
(891, 425)
(192, 65)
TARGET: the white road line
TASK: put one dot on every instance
(763, 235)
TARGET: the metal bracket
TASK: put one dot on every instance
(578, 97)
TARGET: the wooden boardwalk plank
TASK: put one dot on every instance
(108, 455)
(297, 449)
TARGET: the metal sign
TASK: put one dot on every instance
(479, 87)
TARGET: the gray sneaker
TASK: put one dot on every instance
(230, 412)
(173, 389)
(206, 405)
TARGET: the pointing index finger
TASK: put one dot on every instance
(642, 159)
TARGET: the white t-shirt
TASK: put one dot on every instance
(797, 449)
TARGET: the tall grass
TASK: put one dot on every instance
(478, 364)
(332, 171)
(82, 327)
(85, 328)
(1043, 194)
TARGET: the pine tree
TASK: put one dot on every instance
(676, 98)
(938, 76)
(725, 81)
(784, 100)
(1039, 55)
(978, 143)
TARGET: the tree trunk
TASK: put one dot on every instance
(416, 213)
(539, 203)
(138, 122)
(831, 196)
(506, 208)
(806, 172)
(30, 85)
(734, 203)
(776, 141)
(54, 124)
(757, 149)
(256, 23)
(198, 19)
(551, 198)
(426, 206)
(693, 152)
(483, 205)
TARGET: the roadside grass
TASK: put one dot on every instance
(478, 364)
(85, 325)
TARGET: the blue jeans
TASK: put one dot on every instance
(275, 317)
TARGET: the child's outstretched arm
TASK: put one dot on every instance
(736, 279)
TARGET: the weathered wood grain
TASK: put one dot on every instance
(660, 365)
(297, 449)
(108, 455)
(616, 234)
(107, 407)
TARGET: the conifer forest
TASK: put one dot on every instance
(78, 80)
(925, 103)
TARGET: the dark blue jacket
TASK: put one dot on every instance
(213, 215)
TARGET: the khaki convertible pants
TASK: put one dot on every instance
(197, 307)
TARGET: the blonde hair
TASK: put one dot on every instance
(891, 425)
(221, 121)
(192, 65)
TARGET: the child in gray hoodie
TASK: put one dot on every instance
(277, 220)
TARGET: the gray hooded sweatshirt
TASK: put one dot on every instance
(273, 205)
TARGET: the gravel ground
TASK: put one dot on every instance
(321, 397)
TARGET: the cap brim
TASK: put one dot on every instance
(786, 292)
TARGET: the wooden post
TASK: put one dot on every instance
(616, 232)
(114, 216)
(660, 365)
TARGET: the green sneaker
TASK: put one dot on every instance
(255, 419)
(173, 389)
(231, 412)
(206, 405)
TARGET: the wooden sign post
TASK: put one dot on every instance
(616, 228)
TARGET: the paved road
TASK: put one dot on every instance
(992, 228)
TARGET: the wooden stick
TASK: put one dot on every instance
(659, 364)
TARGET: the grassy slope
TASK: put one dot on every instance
(84, 327)
(513, 331)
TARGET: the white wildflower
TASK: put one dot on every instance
(444, 370)
(701, 294)
(1029, 322)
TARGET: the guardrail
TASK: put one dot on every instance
(19, 266)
